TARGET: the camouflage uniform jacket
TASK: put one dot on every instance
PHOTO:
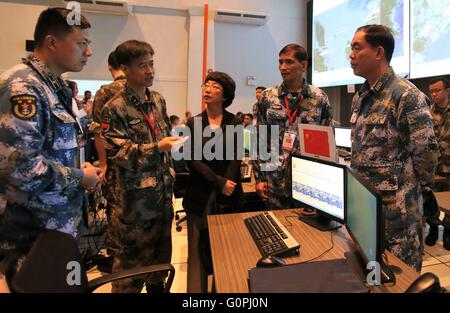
(313, 108)
(393, 143)
(442, 130)
(102, 96)
(38, 144)
(131, 147)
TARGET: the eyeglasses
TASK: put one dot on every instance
(213, 86)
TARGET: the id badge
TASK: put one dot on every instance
(288, 141)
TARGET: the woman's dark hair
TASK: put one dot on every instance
(228, 85)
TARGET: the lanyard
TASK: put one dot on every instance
(149, 121)
(288, 110)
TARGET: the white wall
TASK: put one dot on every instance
(239, 50)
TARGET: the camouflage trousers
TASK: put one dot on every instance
(278, 191)
(403, 229)
(138, 244)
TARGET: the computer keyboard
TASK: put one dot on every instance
(270, 236)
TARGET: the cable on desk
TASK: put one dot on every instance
(388, 267)
(289, 223)
(323, 253)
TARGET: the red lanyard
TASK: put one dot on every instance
(150, 123)
(288, 110)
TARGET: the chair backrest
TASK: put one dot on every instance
(181, 178)
(53, 264)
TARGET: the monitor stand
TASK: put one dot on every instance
(320, 222)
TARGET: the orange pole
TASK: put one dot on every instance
(205, 46)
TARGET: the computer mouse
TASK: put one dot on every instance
(426, 283)
(270, 261)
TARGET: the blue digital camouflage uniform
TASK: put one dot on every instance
(395, 149)
(442, 131)
(38, 143)
(314, 108)
(141, 219)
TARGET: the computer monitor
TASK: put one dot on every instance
(317, 141)
(343, 137)
(319, 185)
(365, 222)
(247, 138)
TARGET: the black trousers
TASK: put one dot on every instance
(199, 254)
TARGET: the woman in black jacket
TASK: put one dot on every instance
(214, 184)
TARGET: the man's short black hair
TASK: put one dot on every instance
(440, 79)
(300, 53)
(71, 84)
(379, 35)
(173, 118)
(112, 61)
(249, 115)
(54, 22)
(261, 87)
(131, 50)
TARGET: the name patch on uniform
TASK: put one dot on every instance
(24, 106)
(105, 123)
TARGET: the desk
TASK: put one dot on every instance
(234, 252)
(443, 200)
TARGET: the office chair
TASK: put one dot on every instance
(426, 283)
(45, 271)
(179, 189)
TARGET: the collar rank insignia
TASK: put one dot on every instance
(24, 106)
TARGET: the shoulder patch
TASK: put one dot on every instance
(24, 106)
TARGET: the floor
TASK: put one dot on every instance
(436, 260)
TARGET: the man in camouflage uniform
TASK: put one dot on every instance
(102, 96)
(258, 94)
(136, 129)
(393, 142)
(287, 105)
(40, 188)
(439, 90)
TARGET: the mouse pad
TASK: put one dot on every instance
(322, 276)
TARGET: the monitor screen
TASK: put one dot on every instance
(247, 139)
(343, 137)
(319, 185)
(335, 22)
(430, 38)
(364, 218)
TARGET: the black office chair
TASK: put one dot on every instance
(426, 283)
(179, 189)
(54, 264)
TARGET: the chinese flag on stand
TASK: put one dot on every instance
(316, 142)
